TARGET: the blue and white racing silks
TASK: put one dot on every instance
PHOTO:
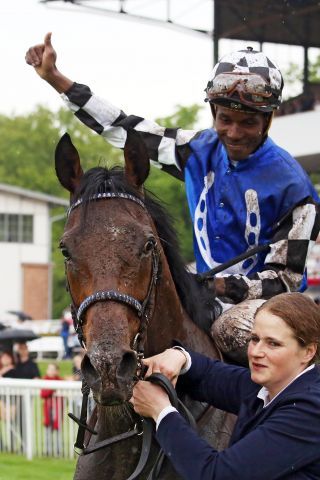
(235, 208)
(266, 198)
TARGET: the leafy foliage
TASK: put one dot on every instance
(294, 72)
(314, 71)
(27, 160)
(172, 191)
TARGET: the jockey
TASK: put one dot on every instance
(243, 190)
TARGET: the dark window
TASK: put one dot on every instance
(27, 229)
(16, 228)
(13, 228)
(2, 227)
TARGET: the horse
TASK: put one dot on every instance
(131, 296)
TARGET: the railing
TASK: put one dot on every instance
(33, 417)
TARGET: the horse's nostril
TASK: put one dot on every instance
(128, 366)
(90, 374)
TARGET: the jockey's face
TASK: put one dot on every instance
(240, 132)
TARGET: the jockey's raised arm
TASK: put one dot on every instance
(243, 190)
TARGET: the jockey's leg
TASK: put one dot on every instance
(231, 330)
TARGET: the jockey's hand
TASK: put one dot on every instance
(43, 58)
(170, 362)
(149, 399)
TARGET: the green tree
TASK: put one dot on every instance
(27, 160)
(314, 71)
(294, 72)
(172, 191)
(28, 144)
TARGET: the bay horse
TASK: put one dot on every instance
(130, 293)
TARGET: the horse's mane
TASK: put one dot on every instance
(199, 303)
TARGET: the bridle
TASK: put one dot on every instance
(144, 311)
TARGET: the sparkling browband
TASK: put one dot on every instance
(100, 196)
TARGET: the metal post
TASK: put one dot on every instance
(168, 11)
(305, 71)
(215, 32)
(28, 422)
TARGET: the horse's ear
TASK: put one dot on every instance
(137, 164)
(67, 162)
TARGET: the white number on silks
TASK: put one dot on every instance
(252, 229)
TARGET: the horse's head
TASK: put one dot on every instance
(111, 257)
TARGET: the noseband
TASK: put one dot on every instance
(142, 308)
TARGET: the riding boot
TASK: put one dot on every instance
(231, 330)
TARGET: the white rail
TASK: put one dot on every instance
(33, 417)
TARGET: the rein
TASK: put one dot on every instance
(146, 429)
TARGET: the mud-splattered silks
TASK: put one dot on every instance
(265, 198)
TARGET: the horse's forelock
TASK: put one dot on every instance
(101, 180)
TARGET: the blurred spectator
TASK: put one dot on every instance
(7, 365)
(52, 411)
(8, 410)
(76, 369)
(307, 102)
(25, 367)
(77, 376)
(73, 342)
(302, 103)
(66, 322)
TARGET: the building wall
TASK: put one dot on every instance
(14, 255)
(35, 290)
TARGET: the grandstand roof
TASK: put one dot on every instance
(291, 22)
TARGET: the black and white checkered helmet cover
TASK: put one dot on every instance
(250, 61)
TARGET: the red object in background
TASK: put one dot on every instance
(52, 406)
(313, 281)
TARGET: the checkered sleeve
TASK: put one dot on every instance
(168, 147)
(285, 262)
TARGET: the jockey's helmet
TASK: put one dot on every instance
(245, 80)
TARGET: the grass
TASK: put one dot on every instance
(16, 467)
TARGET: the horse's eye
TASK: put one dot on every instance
(149, 245)
(64, 251)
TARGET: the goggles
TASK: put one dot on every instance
(251, 88)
